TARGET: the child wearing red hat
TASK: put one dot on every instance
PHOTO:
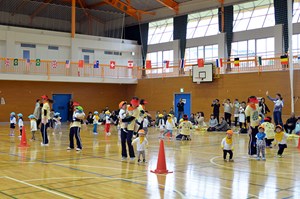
(227, 146)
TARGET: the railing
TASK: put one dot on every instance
(48, 68)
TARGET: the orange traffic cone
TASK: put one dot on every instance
(161, 167)
(23, 142)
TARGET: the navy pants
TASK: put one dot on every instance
(44, 133)
(252, 141)
(75, 131)
(126, 137)
(277, 118)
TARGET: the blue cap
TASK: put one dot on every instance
(20, 115)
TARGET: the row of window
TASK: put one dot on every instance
(247, 16)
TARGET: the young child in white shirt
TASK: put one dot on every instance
(227, 146)
(141, 143)
(281, 140)
(13, 123)
(33, 126)
(95, 122)
(170, 124)
(57, 127)
(20, 123)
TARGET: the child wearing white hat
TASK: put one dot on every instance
(20, 123)
(33, 126)
(13, 122)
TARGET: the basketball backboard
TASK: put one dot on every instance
(203, 74)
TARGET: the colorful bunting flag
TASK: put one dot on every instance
(221, 62)
(54, 64)
(37, 62)
(80, 64)
(7, 62)
(259, 61)
(217, 63)
(182, 63)
(237, 62)
(96, 64)
(200, 62)
(67, 63)
(166, 63)
(148, 64)
(16, 62)
(130, 64)
(112, 65)
(284, 60)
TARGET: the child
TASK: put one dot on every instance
(185, 126)
(269, 130)
(89, 119)
(297, 128)
(280, 139)
(95, 122)
(13, 122)
(20, 123)
(145, 124)
(242, 120)
(227, 145)
(33, 126)
(141, 145)
(261, 143)
(169, 126)
(51, 121)
(107, 123)
(161, 123)
(57, 127)
(213, 122)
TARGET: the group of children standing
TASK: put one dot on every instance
(96, 122)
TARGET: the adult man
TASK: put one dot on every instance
(180, 108)
(290, 123)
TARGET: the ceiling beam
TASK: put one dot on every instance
(127, 9)
(95, 5)
(173, 5)
(40, 8)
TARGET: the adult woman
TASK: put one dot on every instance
(227, 111)
(278, 105)
(45, 119)
(37, 112)
(264, 109)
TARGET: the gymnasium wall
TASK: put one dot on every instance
(74, 49)
(160, 92)
(20, 96)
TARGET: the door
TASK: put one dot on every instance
(186, 97)
(26, 54)
(60, 105)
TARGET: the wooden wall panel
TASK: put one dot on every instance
(20, 96)
(160, 92)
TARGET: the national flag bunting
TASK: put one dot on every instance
(219, 63)
(200, 62)
(148, 64)
(27, 62)
(284, 60)
(130, 64)
(237, 62)
(67, 63)
(80, 64)
(182, 63)
(96, 64)
(166, 63)
(7, 62)
(112, 65)
(54, 64)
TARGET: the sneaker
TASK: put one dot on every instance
(231, 160)
(139, 160)
(144, 161)
(124, 158)
(258, 158)
(42, 144)
(280, 156)
(69, 148)
(20, 136)
(225, 160)
(132, 159)
(264, 159)
(78, 149)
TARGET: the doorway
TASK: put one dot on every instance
(60, 105)
(186, 98)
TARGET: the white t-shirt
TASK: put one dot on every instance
(33, 125)
(225, 145)
(13, 120)
(20, 122)
(145, 122)
(139, 146)
(122, 115)
(107, 119)
(170, 125)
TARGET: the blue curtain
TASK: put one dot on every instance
(179, 32)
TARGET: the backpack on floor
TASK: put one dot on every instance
(243, 131)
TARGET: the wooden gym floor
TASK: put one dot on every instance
(97, 171)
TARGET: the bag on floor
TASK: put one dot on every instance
(243, 131)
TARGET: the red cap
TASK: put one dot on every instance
(75, 104)
(45, 97)
(134, 102)
(267, 119)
